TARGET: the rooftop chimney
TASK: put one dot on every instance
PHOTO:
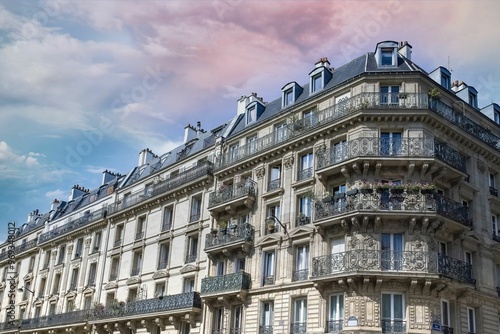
(108, 176)
(322, 62)
(77, 191)
(189, 133)
(54, 205)
(199, 130)
(145, 156)
(405, 49)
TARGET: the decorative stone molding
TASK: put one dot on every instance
(260, 172)
(481, 166)
(288, 161)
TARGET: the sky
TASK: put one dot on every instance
(86, 85)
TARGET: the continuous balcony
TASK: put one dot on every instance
(240, 236)
(236, 284)
(73, 225)
(389, 263)
(231, 197)
(183, 303)
(73, 318)
(183, 179)
(398, 150)
(393, 203)
(19, 249)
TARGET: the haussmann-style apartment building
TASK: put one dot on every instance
(363, 201)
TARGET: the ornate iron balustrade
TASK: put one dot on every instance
(493, 192)
(380, 147)
(300, 275)
(113, 276)
(465, 123)
(135, 271)
(203, 169)
(19, 249)
(148, 306)
(369, 200)
(334, 326)
(235, 331)
(56, 320)
(274, 184)
(162, 264)
(393, 326)
(302, 220)
(268, 280)
(13, 325)
(194, 217)
(388, 260)
(248, 188)
(240, 233)
(446, 330)
(191, 258)
(86, 219)
(230, 282)
(266, 329)
(118, 243)
(305, 174)
(139, 235)
(455, 268)
(298, 328)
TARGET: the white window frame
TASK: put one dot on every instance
(251, 114)
(336, 308)
(445, 314)
(318, 77)
(392, 317)
(268, 265)
(305, 206)
(267, 313)
(471, 320)
(300, 310)
(288, 97)
(387, 51)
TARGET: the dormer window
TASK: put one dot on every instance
(290, 94)
(445, 80)
(316, 84)
(320, 76)
(288, 97)
(387, 57)
(386, 53)
(251, 114)
(497, 117)
(473, 99)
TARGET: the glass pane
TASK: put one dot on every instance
(398, 307)
(386, 306)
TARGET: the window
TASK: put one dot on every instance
(337, 246)
(195, 209)
(218, 320)
(31, 265)
(52, 309)
(237, 319)
(299, 316)
(87, 303)
(163, 255)
(139, 230)
(336, 314)
(445, 314)
(38, 310)
(268, 268)
(41, 288)
(471, 320)
(310, 118)
(445, 81)
(74, 279)
(305, 206)
(443, 248)
(167, 218)
(79, 248)
(390, 143)
(301, 272)
(316, 83)
(288, 98)
(115, 264)
(189, 284)
(339, 197)
(274, 178)
(392, 251)
(192, 251)
(339, 151)
(492, 185)
(239, 265)
(280, 133)
(118, 235)
(251, 114)
(386, 57)
(306, 167)
(389, 95)
(393, 313)
(132, 295)
(70, 305)
(92, 274)
(251, 145)
(234, 152)
(473, 100)
(110, 298)
(136, 264)
(159, 289)
(494, 226)
(62, 252)
(97, 241)
(219, 267)
(273, 210)
(267, 317)
(57, 282)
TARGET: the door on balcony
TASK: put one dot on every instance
(267, 318)
(445, 316)
(338, 255)
(301, 263)
(336, 314)
(392, 251)
(280, 133)
(393, 313)
(299, 316)
(218, 320)
(339, 193)
(236, 322)
(268, 272)
(389, 95)
(390, 143)
(339, 151)
(275, 178)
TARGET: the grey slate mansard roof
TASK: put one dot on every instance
(363, 64)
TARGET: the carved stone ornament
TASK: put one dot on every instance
(260, 172)
(288, 161)
(481, 166)
(353, 243)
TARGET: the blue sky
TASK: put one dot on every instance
(85, 85)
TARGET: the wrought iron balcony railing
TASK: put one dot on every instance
(300, 275)
(274, 184)
(240, 233)
(393, 326)
(266, 329)
(391, 261)
(191, 258)
(135, 271)
(194, 217)
(166, 226)
(118, 243)
(139, 235)
(148, 306)
(227, 194)
(305, 174)
(86, 219)
(19, 249)
(334, 326)
(235, 331)
(302, 220)
(371, 200)
(162, 264)
(226, 283)
(446, 330)
(380, 147)
(74, 317)
(268, 280)
(493, 192)
(298, 328)
(495, 237)
(113, 276)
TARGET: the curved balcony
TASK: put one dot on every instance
(389, 263)
(239, 236)
(394, 151)
(231, 197)
(226, 285)
(392, 203)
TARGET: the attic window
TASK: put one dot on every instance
(497, 117)
(445, 80)
(288, 97)
(473, 99)
(251, 114)
(316, 82)
(387, 57)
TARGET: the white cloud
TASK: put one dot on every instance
(13, 162)
(57, 193)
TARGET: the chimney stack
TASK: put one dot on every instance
(77, 191)
(322, 62)
(145, 156)
(405, 49)
(189, 133)
(54, 205)
(108, 176)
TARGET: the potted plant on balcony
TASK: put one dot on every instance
(429, 188)
(327, 197)
(383, 187)
(223, 226)
(365, 187)
(397, 188)
(413, 187)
